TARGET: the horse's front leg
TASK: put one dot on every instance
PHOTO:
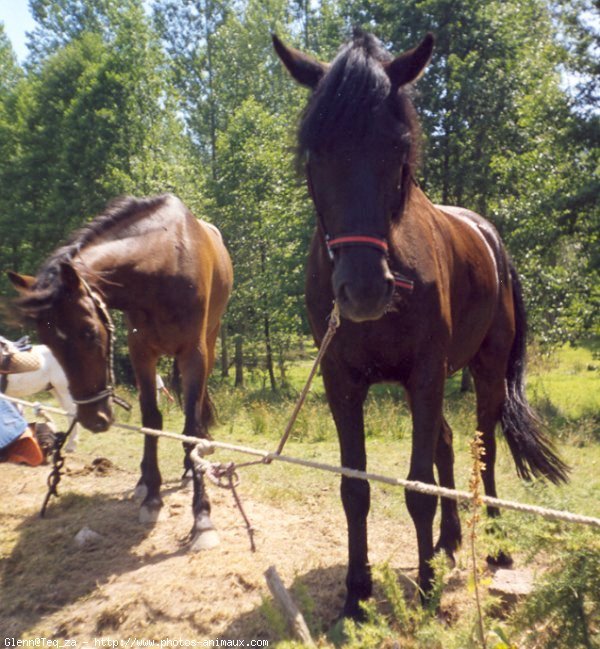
(426, 388)
(150, 482)
(450, 532)
(346, 399)
(194, 372)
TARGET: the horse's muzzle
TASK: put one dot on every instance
(97, 420)
(363, 301)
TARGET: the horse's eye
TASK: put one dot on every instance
(89, 334)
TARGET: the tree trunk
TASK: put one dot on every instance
(281, 364)
(269, 351)
(224, 353)
(239, 362)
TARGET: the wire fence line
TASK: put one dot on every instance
(208, 446)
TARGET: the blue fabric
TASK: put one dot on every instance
(12, 425)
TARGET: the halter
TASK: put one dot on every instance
(109, 391)
(356, 239)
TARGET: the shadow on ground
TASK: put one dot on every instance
(46, 570)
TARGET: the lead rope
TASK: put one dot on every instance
(58, 462)
(217, 471)
(334, 323)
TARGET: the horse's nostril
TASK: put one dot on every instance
(102, 423)
(342, 295)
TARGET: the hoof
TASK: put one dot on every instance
(448, 555)
(354, 611)
(140, 491)
(500, 560)
(149, 514)
(204, 540)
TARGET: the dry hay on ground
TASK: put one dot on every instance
(140, 581)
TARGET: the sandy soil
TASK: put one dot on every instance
(140, 581)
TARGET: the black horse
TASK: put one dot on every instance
(423, 290)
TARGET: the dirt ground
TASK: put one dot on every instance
(140, 581)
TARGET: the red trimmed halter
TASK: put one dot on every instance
(345, 240)
(400, 281)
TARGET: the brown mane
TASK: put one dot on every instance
(47, 285)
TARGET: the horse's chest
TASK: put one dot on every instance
(376, 357)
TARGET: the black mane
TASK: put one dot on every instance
(343, 105)
(47, 284)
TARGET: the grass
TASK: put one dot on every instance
(564, 386)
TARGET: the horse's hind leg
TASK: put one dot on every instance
(149, 484)
(488, 373)
(204, 415)
(194, 372)
(450, 533)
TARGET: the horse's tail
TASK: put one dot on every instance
(209, 412)
(533, 452)
(175, 382)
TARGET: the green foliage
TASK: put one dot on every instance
(93, 121)
(189, 97)
(564, 609)
(262, 213)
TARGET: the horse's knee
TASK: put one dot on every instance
(356, 496)
(421, 506)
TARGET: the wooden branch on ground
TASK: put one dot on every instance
(292, 613)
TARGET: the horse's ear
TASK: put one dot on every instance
(22, 283)
(69, 276)
(410, 66)
(304, 68)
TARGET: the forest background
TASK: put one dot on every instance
(187, 96)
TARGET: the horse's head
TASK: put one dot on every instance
(358, 137)
(73, 322)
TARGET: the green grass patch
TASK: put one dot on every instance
(564, 386)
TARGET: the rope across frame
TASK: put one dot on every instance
(205, 447)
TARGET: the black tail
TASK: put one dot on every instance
(175, 382)
(533, 452)
(209, 412)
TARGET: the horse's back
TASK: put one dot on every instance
(179, 243)
(202, 255)
(469, 268)
(486, 233)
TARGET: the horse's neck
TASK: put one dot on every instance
(107, 267)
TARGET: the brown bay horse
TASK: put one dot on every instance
(171, 276)
(423, 291)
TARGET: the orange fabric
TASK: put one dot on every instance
(25, 450)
